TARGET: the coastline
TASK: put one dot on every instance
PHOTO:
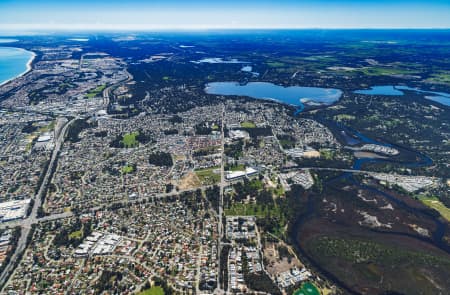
(28, 69)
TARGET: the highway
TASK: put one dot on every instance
(31, 219)
(223, 184)
(326, 169)
(27, 223)
(107, 90)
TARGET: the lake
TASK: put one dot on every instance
(13, 62)
(218, 60)
(439, 97)
(380, 90)
(293, 95)
(390, 90)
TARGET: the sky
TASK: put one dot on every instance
(234, 14)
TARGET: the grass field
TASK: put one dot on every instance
(307, 289)
(238, 209)
(155, 290)
(208, 176)
(129, 139)
(256, 184)
(443, 77)
(248, 124)
(76, 234)
(380, 71)
(279, 191)
(48, 127)
(327, 154)
(258, 210)
(434, 203)
(239, 167)
(127, 169)
(95, 92)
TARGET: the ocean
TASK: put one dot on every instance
(13, 62)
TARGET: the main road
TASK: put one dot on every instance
(107, 90)
(27, 223)
(223, 183)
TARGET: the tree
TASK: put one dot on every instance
(160, 159)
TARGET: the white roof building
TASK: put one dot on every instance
(14, 209)
(238, 174)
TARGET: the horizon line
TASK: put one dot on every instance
(149, 27)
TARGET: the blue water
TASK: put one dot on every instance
(445, 100)
(293, 95)
(380, 90)
(439, 97)
(219, 60)
(8, 40)
(13, 62)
